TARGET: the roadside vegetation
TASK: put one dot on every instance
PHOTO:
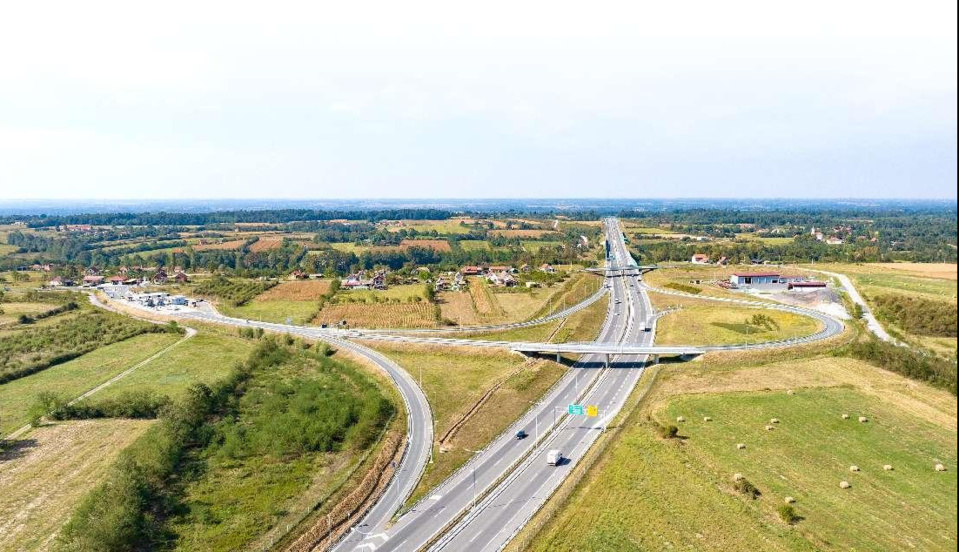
(233, 292)
(917, 315)
(222, 461)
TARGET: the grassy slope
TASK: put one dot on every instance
(76, 376)
(476, 371)
(43, 478)
(647, 493)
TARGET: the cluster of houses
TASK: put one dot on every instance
(834, 239)
(124, 276)
(155, 299)
(362, 281)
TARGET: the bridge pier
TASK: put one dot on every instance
(559, 358)
(655, 359)
(608, 357)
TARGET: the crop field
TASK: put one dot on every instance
(455, 380)
(266, 243)
(378, 315)
(204, 358)
(350, 247)
(438, 245)
(44, 476)
(647, 492)
(226, 245)
(703, 323)
(521, 233)
(457, 307)
(296, 300)
(72, 378)
(451, 226)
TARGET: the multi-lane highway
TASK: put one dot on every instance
(483, 505)
(506, 509)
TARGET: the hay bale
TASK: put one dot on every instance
(707, 419)
(680, 419)
(790, 500)
(774, 421)
(738, 477)
(770, 428)
(740, 446)
(790, 392)
(940, 468)
(863, 419)
(845, 416)
(853, 468)
(844, 485)
(887, 467)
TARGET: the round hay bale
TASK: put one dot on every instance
(770, 428)
(845, 416)
(844, 485)
(790, 500)
(863, 419)
(707, 419)
(940, 468)
(738, 477)
(853, 468)
(774, 421)
(790, 392)
(680, 419)
(887, 467)
(740, 446)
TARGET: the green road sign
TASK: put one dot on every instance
(576, 410)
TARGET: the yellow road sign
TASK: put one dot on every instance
(592, 410)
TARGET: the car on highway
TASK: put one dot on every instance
(554, 457)
(520, 435)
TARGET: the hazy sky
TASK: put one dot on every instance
(412, 99)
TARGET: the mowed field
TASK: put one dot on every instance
(708, 323)
(44, 476)
(455, 380)
(936, 282)
(296, 300)
(650, 493)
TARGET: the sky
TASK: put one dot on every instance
(324, 100)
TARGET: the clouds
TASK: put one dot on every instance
(431, 99)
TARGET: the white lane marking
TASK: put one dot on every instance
(369, 545)
(436, 497)
(476, 536)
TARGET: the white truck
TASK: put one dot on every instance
(554, 457)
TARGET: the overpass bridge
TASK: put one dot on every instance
(622, 269)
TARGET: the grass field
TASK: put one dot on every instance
(204, 358)
(454, 380)
(474, 245)
(704, 323)
(933, 281)
(12, 310)
(43, 477)
(446, 227)
(6, 249)
(72, 378)
(296, 300)
(225, 246)
(649, 493)
(688, 274)
(521, 233)
(535, 246)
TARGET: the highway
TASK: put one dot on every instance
(483, 505)
(506, 509)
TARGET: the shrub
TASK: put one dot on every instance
(918, 315)
(684, 288)
(667, 431)
(788, 514)
(747, 489)
(935, 371)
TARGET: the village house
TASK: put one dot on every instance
(115, 280)
(160, 277)
(700, 258)
(92, 280)
(181, 278)
(471, 271)
(548, 268)
(502, 279)
(92, 271)
(298, 275)
(58, 281)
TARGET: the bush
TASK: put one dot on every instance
(935, 371)
(788, 514)
(684, 288)
(667, 431)
(918, 315)
(747, 489)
